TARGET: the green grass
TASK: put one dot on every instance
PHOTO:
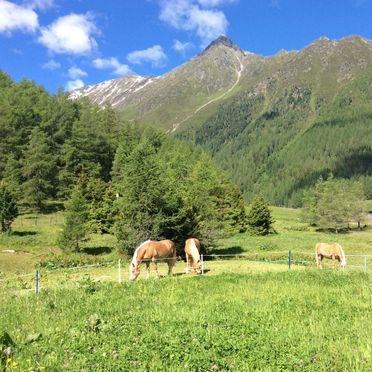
(243, 314)
(34, 239)
(306, 320)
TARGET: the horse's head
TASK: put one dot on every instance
(134, 271)
(343, 261)
(198, 267)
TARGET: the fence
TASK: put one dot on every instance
(210, 263)
(354, 261)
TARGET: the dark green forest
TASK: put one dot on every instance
(112, 176)
(279, 144)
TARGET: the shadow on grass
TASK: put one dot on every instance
(176, 274)
(229, 250)
(332, 231)
(95, 251)
(23, 233)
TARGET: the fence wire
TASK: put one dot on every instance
(217, 263)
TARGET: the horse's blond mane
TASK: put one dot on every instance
(134, 259)
(194, 251)
(343, 259)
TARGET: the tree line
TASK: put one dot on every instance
(113, 176)
(335, 204)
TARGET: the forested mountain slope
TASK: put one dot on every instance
(311, 116)
(275, 124)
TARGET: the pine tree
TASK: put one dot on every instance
(335, 203)
(39, 170)
(356, 202)
(259, 217)
(13, 176)
(86, 152)
(100, 197)
(204, 197)
(8, 209)
(141, 204)
(332, 205)
(75, 228)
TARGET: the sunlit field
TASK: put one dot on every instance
(249, 311)
(305, 319)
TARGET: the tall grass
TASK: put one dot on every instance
(306, 320)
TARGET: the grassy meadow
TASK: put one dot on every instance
(245, 314)
(274, 321)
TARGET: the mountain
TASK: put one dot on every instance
(169, 100)
(276, 123)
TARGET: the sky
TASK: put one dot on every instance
(71, 43)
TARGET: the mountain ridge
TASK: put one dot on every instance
(258, 115)
(205, 77)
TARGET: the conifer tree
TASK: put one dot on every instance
(259, 219)
(335, 203)
(13, 176)
(8, 209)
(75, 227)
(39, 170)
(141, 204)
(204, 196)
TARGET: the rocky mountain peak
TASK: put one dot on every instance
(222, 40)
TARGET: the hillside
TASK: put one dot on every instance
(266, 120)
(168, 100)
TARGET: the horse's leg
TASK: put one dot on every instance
(171, 263)
(320, 262)
(187, 263)
(147, 269)
(156, 268)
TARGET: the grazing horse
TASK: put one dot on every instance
(153, 251)
(332, 251)
(192, 248)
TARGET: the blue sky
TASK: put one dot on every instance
(70, 43)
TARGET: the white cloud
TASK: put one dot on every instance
(155, 55)
(51, 65)
(71, 34)
(181, 47)
(189, 15)
(215, 3)
(112, 63)
(39, 4)
(74, 84)
(13, 17)
(76, 72)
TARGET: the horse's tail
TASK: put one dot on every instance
(174, 250)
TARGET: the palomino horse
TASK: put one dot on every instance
(192, 248)
(332, 251)
(153, 251)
